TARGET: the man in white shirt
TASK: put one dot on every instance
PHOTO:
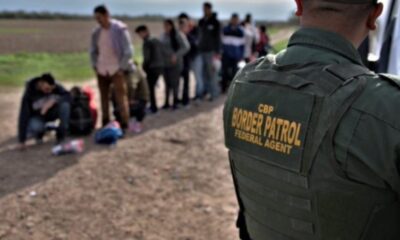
(111, 56)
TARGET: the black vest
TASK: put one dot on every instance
(280, 123)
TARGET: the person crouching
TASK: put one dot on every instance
(44, 101)
(138, 95)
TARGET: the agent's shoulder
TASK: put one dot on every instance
(381, 99)
(252, 66)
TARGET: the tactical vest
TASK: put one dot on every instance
(280, 123)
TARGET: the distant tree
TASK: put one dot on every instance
(65, 16)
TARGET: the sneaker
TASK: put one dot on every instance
(175, 107)
(137, 127)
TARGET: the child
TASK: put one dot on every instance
(138, 95)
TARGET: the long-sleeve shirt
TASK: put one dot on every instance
(121, 42)
(210, 35)
(153, 56)
(183, 48)
(368, 138)
(233, 42)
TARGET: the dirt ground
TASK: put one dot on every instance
(170, 182)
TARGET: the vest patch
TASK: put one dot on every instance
(269, 122)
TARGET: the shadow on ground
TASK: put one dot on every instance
(19, 170)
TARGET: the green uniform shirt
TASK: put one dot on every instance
(367, 142)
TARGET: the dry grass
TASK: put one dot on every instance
(54, 36)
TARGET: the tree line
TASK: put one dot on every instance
(67, 16)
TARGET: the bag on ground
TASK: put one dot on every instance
(81, 120)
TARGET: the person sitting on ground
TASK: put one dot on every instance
(44, 101)
(139, 96)
(153, 62)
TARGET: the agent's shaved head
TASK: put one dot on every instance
(352, 19)
(355, 12)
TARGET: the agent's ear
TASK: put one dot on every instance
(374, 15)
(299, 11)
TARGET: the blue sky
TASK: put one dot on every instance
(261, 9)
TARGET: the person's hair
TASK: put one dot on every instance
(263, 28)
(183, 16)
(248, 18)
(234, 15)
(102, 9)
(207, 5)
(355, 12)
(173, 34)
(47, 78)
(141, 28)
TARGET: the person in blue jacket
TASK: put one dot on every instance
(233, 41)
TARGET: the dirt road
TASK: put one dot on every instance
(171, 182)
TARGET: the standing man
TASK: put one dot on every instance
(111, 56)
(209, 48)
(184, 27)
(251, 38)
(314, 136)
(195, 61)
(153, 62)
(232, 50)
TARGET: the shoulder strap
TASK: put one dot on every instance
(391, 78)
(344, 74)
(347, 72)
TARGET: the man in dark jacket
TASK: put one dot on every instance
(191, 35)
(44, 101)
(209, 47)
(192, 59)
(153, 62)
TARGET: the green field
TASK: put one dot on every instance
(15, 69)
(281, 45)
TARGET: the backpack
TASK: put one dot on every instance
(109, 135)
(81, 121)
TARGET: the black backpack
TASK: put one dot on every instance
(81, 121)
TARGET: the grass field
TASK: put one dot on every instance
(16, 68)
(29, 48)
(279, 46)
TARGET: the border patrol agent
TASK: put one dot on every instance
(314, 137)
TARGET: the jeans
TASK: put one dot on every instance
(209, 75)
(121, 90)
(138, 110)
(229, 70)
(171, 78)
(152, 77)
(37, 124)
(197, 68)
(186, 85)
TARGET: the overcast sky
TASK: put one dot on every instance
(261, 9)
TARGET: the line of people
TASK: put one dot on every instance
(204, 48)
